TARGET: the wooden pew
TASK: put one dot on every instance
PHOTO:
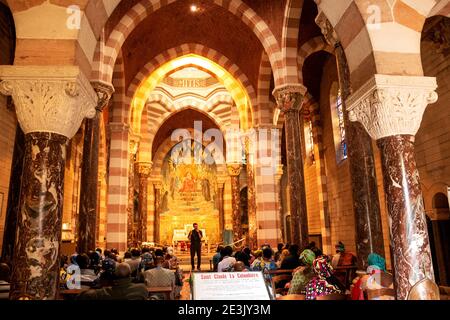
(166, 291)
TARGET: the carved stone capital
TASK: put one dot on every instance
(327, 29)
(234, 170)
(289, 97)
(48, 98)
(392, 105)
(104, 93)
(143, 168)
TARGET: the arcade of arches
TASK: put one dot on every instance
(333, 118)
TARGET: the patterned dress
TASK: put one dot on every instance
(319, 286)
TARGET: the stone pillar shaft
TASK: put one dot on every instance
(252, 237)
(132, 234)
(157, 213)
(279, 205)
(390, 108)
(234, 171)
(143, 171)
(51, 103)
(366, 206)
(220, 190)
(412, 254)
(366, 203)
(35, 271)
(88, 192)
(289, 100)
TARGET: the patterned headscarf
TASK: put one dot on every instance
(340, 247)
(376, 262)
(307, 257)
(322, 268)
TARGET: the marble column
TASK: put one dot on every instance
(289, 99)
(143, 170)
(51, 103)
(252, 238)
(132, 237)
(366, 204)
(87, 217)
(157, 228)
(234, 170)
(280, 219)
(391, 108)
(220, 190)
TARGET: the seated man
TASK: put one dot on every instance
(227, 262)
(88, 277)
(4, 281)
(216, 258)
(122, 288)
(134, 261)
(160, 277)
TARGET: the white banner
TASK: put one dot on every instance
(230, 286)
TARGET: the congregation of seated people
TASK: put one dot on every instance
(308, 272)
(108, 276)
(288, 271)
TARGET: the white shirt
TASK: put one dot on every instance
(225, 263)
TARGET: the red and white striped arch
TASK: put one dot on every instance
(191, 48)
(379, 36)
(145, 8)
(312, 46)
(289, 41)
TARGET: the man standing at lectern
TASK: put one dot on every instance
(195, 237)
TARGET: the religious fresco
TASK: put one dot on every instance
(188, 193)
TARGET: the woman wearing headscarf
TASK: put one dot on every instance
(376, 278)
(324, 282)
(303, 274)
(283, 255)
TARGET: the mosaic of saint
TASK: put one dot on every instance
(188, 191)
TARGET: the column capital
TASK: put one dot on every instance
(327, 29)
(49, 98)
(392, 105)
(289, 97)
(234, 170)
(104, 92)
(143, 168)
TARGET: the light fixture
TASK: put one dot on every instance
(194, 8)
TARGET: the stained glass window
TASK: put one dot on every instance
(309, 141)
(340, 114)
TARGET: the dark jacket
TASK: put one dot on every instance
(290, 262)
(194, 237)
(122, 289)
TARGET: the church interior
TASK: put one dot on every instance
(264, 121)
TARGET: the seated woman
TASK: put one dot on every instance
(265, 263)
(376, 278)
(324, 282)
(303, 274)
(283, 255)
